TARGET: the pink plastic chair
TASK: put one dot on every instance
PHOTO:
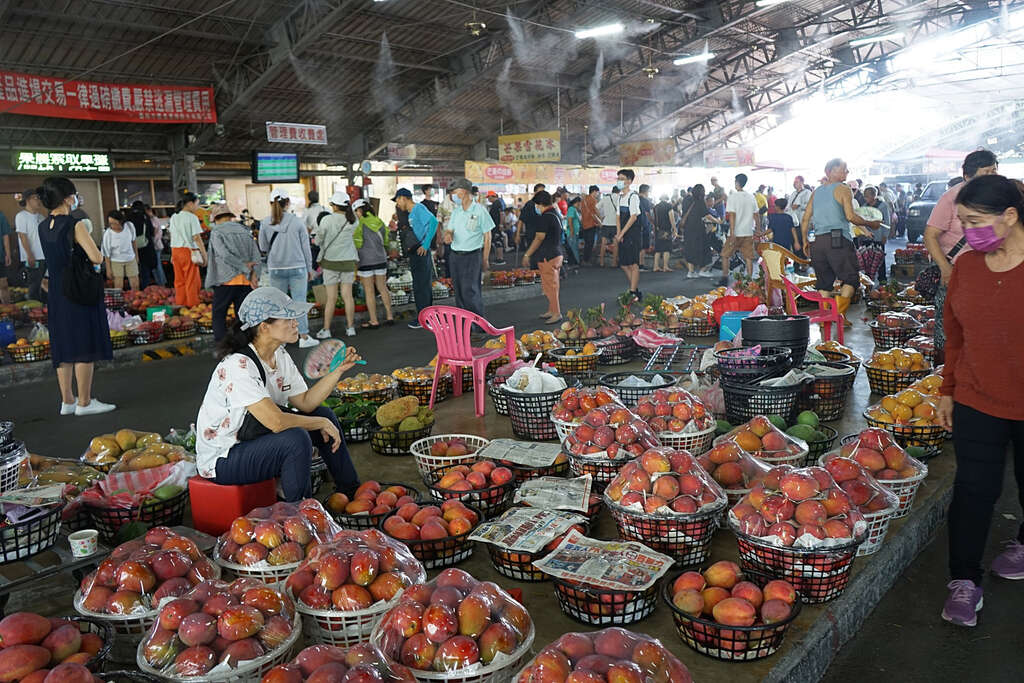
(826, 315)
(452, 327)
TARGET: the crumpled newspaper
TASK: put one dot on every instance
(824, 370)
(791, 378)
(814, 356)
(634, 381)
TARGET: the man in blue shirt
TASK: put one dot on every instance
(424, 225)
(468, 232)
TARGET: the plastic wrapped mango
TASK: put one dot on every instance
(154, 454)
(106, 449)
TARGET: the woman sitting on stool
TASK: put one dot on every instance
(244, 435)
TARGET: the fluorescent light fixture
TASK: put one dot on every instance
(876, 39)
(606, 30)
(693, 59)
(769, 3)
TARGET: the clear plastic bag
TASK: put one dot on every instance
(219, 629)
(632, 656)
(575, 403)
(762, 439)
(139, 574)
(665, 482)
(277, 536)
(146, 457)
(106, 449)
(862, 488)
(39, 333)
(731, 467)
(877, 452)
(612, 432)
(363, 662)
(455, 624)
(676, 411)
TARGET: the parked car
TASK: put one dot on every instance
(918, 211)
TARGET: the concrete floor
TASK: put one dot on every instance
(167, 393)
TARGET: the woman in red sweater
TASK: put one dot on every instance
(982, 380)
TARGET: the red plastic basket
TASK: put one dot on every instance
(723, 305)
(819, 575)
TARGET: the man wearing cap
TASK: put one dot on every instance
(234, 262)
(424, 226)
(243, 435)
(469, 233)
(26, 224)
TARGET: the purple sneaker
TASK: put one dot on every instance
(1010, 564)
(963, 603)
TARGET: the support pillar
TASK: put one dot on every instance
(183, 165)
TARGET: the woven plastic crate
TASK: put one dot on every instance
(519, 565)
(317, 472)
(108, 520)
(525, 472)
(273, 576)
(739, 366)
(885, 382)
(891, 337)
(33, 534)
(729, 643)
(603, 607)
(578, 362)
(616, 350)
(745, 401)
(421, 388)
(368, 520)
(696, 443)
(827, 395)
(491, 500)
(113, 299)
(904, 489)
(630, 395)
(928, 437)
(29, 353)
(128, 629)
(816, 449)
(601, 468)
(440, 552)
(205, 328)
(684, 538)
(531, 414)
(147, 335)
(427, 463)
(497, 397)
(387, 442)
(818, 575)
(400, 298)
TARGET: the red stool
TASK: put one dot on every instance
(215, 506)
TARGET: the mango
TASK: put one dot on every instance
(144, 462)
(148, 439)
(126, 439)
(18, 661)
(105, 446)
(23, 628)
(63, 642)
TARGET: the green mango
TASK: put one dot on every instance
(167, 491)
(722, 427)
(777, 421)
(808, 417)
(129, 531)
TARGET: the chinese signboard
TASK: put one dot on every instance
(398, 152)
(302, 133)
(721, 158)
(543, 146)
(60, 162)
(47, 96)
(647, 153)
(527, 174)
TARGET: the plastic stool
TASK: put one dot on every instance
(215, 506)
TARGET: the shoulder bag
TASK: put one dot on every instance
(82, 282)
(927, 281)
(251, 427)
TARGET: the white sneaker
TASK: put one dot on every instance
(95, 407)
(350, 332)
(323, 334)
(68, 408)
(307, 342)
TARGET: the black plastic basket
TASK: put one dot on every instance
(730, 643)
(421, 389)
(180, 332)
(317, 472)
(891, 337)
(497, 396)
(380, 396)
(818, 574)
(386, 442)
(684, 538)
(886, 382)
(738, 365)
(525, 472)
(360, 430)
(119, 340)
(928, 437)
(792, 331)
(371, 521)
(467, 380)
(600, 467)
(578, 362)
(108, 520)
(30, 536)
(836, 357)
(531, 414)
(826, 395)
(630, 395)
(519, 565)
(150, 335)
(745, 401)
(126, 676)
(490, 501)
(816, 449)
(103, 631)
(616, 350)
(440, 552)
(29, 353)
(602, 606)
(698, 326)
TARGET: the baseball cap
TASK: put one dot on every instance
(402, 193)
(492, 193)
(264, 303)
(461, 184)
(279, 194)
(221, 210)
(339, 199)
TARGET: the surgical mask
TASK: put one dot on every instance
(983, 238)
(620, 184)
(537, 209)
(74, 202)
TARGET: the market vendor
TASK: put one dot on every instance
(244, 433)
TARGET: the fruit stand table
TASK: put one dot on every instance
(15, 576)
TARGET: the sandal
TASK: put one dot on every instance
(370, 326)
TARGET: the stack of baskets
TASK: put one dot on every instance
(791, 331)
(826, 394)
(745, 396)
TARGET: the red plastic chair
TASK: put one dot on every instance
(827, 312)
(452, 327)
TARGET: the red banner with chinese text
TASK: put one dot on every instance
(48, 96)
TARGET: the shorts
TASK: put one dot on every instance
(834, 264)
(370, 271)
(629, 248)
(744, 245)
(607, 232)
(124, 268)
(339, 277)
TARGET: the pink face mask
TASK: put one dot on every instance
(983, 238)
